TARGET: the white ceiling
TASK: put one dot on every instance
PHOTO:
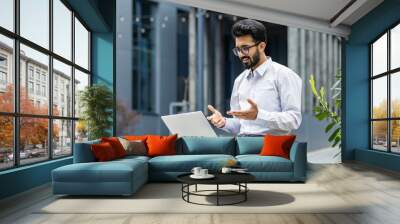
(319, 9)
(309, 14)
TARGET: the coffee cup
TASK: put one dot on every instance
(226, 170)
(203, 172)
(196, 171)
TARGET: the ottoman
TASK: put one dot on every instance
(119, 177)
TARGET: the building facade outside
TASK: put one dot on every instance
(34, 82)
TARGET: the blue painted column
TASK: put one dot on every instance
(200, 61)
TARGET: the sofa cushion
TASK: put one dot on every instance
(135, 137)
(277, 145)
(185, 163)
(103, 152)
(193, 145)
(161, 145)
(135, 147)
(249, 145)
(83, 152)
(116, 145)
(111, 171)
(257, 163)
(132, 158)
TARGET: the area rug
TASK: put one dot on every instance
(166, 198)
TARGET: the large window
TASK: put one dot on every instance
(6, 73)
(62, 37)
(40, 80)
(81, 45)
(385, 94)
(34, 22)
(7, 14)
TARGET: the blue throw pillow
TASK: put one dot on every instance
(249, 145)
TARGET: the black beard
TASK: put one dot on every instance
(252, 60)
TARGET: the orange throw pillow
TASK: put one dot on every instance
(103, 152)
(116, 145)
(161, 145)
(136, 137)
(277, 145)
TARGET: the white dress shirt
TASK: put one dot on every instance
(276, 90)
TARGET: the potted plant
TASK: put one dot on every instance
(323, 110)
(96, 102)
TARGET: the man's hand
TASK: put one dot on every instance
(216, 118)
(250, 114)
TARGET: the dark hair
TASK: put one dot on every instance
(250, 27)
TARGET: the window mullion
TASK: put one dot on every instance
(73, 82)
(371, 142)
(50, 81)
(16, 85)
(389, 106)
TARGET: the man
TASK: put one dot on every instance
(266, 97)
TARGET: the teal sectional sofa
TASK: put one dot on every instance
(125, 176)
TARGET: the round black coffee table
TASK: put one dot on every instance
(238, 179)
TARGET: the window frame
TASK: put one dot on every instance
(16, 114)
(388, 74)
(5, 59)
(3, 74)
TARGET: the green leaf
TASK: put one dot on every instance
(338, 103)
(337, 140)
(322, 92)
(334, 134)
(317, 109)
(330, 126)
(313, 88)
(322, 116)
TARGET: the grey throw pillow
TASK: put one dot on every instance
(137, 147)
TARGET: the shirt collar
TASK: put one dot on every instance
(260, 70)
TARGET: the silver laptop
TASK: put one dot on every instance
(189, 124)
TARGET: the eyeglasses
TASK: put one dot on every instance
(244, 50)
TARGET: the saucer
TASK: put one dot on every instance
(208, 176)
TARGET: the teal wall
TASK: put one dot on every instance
(381, 159)
(102, 62)
(24, 178)
(102, 58)
(99, 15)
(356, 84)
